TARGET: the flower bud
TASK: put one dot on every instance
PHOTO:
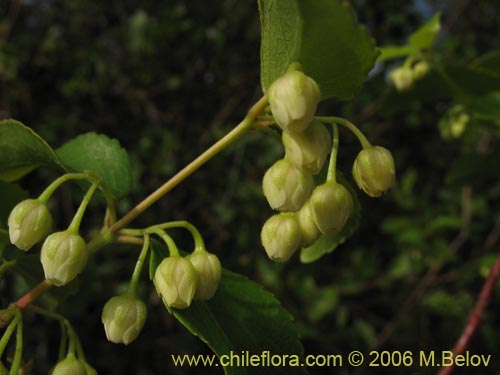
(208, 271)
(420, 69)
(308, 228)
(69, 365)
(402, 78)
(308, 150)
(63, 256)
(373, 170)
(286, 187)
(123, 318)
(293, 99)
(331, 205)
(281, 236)
(29, 222)
(175, 282)
(454, 122)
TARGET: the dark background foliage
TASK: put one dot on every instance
(169, 78)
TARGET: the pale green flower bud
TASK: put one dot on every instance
(331, 205)
(29, 222)
(70, 365)
(293, 98)
(175, 282)
(123, 318)
(308, 150)
(308, 227)
(63, 256)
(420, 69)
(402, 78)
(286, 187)
(208, 271)
(454, 122)
(374, 170)
(281, 236)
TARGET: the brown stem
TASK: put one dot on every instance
(32, 295)
(476, 315)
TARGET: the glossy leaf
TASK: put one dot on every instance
(323, 36)
(103, 156)
(22, 150)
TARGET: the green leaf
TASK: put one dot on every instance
(103, 156)
(22, 150)
(323, 36)
(326, 244)
(466, 80)
(393, 52)
(11, 195)
(424, 37)
(485, 107)
(241, 317)
(281, 27)
(488, 63)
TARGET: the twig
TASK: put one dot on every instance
(32, 295)
(476, 315)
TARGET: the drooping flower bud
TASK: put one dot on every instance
(331, 205)
(70, 365)
(63, 256)
(308, 227)
(293, 99)
(420, 69)
(175, 282)
(308, 150)
(402, 78)
(123, 318)
(286, 187)
(281, 236)
(373, 170)
(29, 222)
(454, 122)
(208, 271)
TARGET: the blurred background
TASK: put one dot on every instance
(169, 78)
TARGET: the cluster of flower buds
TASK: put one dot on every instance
(404, 76)
(64, 254)
(179, 280)
(306, 211)
(288, 185)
